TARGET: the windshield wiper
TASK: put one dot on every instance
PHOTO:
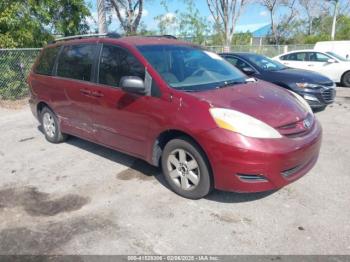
(235, 82)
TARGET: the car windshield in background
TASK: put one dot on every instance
(337, 56)
(191, 69)
(265, 63)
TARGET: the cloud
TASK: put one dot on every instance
(168, 16)
(263, 13)
(145, 13)
(92, 20)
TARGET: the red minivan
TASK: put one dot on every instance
(177, 106)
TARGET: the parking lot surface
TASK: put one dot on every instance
(81, 198)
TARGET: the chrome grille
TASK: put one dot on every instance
(328, 95)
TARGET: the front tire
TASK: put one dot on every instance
(186, 169)
(345, 80)
(50, 126)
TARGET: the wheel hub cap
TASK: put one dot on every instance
(183, 169)
(49, 125)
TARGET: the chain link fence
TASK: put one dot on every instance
(15, 65)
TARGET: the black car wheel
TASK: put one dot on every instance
(185, 168)
(345, 80)
(50, 125)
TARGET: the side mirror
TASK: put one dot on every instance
(248, 71)
(331, 60)
(133, 84)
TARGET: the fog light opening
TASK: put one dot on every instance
(251, 177)
(311, 98)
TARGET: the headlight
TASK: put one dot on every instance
(306, 85)
(303, 103)
(241, 123)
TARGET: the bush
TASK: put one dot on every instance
(15, 65)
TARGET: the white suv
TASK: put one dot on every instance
(329, 64)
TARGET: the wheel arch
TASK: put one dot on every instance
(164, 137)
(342, 76)
(40, 107)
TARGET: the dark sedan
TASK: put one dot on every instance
(316, 89)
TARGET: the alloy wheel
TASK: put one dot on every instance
(183, 169)
(49, 124)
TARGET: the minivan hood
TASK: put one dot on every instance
(262, 100)
(292, 75)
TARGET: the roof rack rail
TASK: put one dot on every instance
(165, 36)
(112, 35)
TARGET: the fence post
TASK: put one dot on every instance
(285, 50)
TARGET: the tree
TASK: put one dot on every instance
(312, 9)
(192, 25)
(280, 24)
(129, 13)
(188, 24)
(32, 23)
(225, 14)
(101, 12)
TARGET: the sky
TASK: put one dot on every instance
(254, 17)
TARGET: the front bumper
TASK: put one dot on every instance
(318, 97)
(243, 164)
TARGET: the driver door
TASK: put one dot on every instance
(120, 119)
(319, 62)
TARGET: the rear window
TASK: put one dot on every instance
(76, 62)
(47, 61)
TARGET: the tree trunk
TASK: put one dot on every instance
(273, 27)
(102, 24)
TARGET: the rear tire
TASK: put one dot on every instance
(345, 80)
(50, 126)
(186, 169)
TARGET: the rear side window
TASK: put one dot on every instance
(76, 62)
(115, 63)
(47, 61)
(295, 57)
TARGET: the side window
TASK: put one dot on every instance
(296, 57)
(115, 63)
(47, 61)
(76, 62)
(318, 57)
(284, 57)
(238, 63)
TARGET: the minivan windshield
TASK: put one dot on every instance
(191, 69)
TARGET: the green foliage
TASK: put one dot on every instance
(15, 66)
(322, 27)
(343, 28)
(192, 24)
(188, 24)
(242, 39)
(31, 23)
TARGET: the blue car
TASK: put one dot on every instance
(318, 90)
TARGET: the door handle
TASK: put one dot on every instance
(85, 92)
(97, 94)
(310, 65)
